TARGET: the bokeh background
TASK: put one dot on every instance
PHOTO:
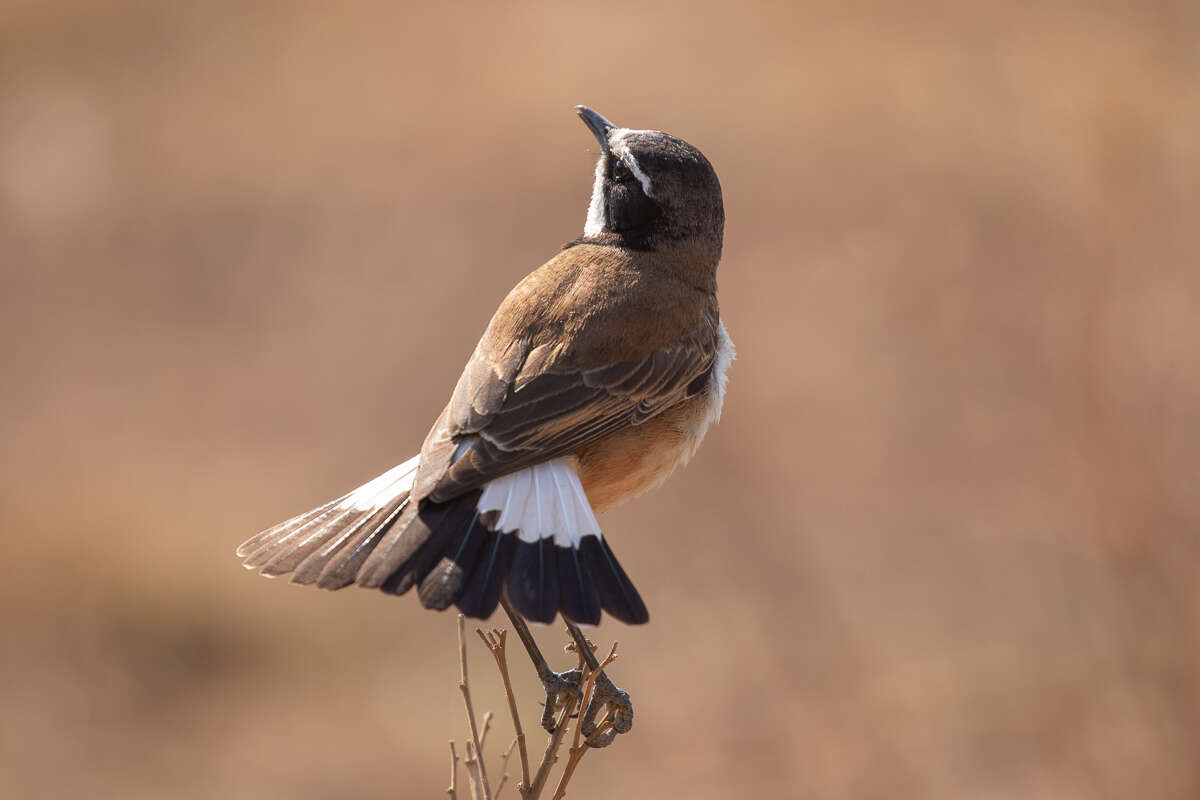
(942, 545)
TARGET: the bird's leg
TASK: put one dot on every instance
(605, 695)
(560, 686)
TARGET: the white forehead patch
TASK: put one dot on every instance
(597, 216)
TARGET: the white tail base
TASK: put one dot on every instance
(542, 502)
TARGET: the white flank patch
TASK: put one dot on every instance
(542, 502)
(724, 357)
(597, 213)
(376, 493)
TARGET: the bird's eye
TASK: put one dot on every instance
(620, 172)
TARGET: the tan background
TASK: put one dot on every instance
(942, 545)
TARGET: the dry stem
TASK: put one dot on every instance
(551, 755)
(453, 790)
(496, 643)
(472, 762)
(485, 790)
(504, 769)
(487, 726)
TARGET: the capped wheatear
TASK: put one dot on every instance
(599, 374)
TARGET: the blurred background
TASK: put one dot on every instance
(943, 543)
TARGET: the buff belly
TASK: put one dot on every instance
(641, 457)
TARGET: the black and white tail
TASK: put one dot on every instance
(531, 533)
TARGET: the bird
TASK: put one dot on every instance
(599, 374)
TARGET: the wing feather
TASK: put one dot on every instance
(558, 412)
(583, 347)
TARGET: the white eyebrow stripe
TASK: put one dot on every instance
(616, 143)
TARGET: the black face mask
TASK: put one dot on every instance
(629, 210)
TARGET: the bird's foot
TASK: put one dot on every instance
(561, 689)
(613, 707)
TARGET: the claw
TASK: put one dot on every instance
(560, 687)
(606, 696)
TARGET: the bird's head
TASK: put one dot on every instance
(653, 191)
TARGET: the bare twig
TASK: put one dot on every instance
(551, 755)
(572, 646)
(504, 769)
(485, 790)
(487, 726)
(453, 790)
(472, 763)
(590, 685)
(574, 756)
(496, 643)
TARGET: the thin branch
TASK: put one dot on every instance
(466, 693)
(496, 643)
(504, 769)
(572, 646)
(589, 687)
(551, 755)
(453, 790)
(487, 726)
(472, 763)
(574, 756)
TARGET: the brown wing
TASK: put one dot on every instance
(534, 403)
